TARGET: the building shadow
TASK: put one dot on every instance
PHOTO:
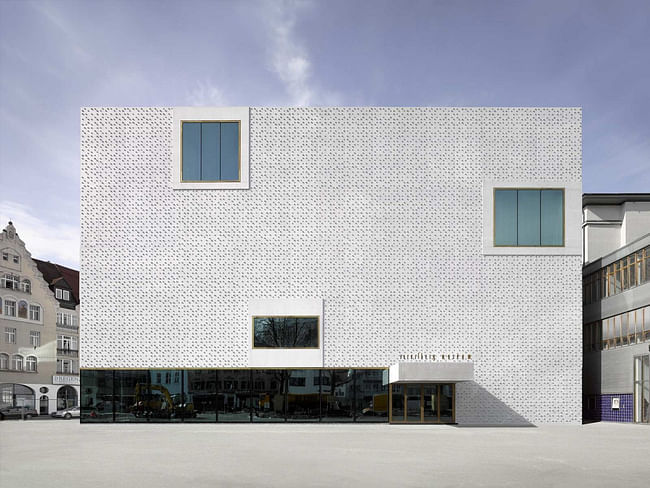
(478, 404)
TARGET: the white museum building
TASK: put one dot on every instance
(363, 264)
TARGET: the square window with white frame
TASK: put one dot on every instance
(211, 148)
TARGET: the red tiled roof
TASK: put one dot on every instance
(53, 272)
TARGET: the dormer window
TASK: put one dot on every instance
(62, 294)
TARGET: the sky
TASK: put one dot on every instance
(58, 56)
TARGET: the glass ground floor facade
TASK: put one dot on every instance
(234, 395)
(259, 395)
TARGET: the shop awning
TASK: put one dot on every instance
(435, 372)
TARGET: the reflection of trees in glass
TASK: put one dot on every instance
(285, 331)
(333, 405)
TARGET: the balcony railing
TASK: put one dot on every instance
(71, 353)
(60, 371)
(61, 325)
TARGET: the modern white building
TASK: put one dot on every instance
(616, 298)
(331, 264)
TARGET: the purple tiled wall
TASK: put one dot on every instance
(604, 411)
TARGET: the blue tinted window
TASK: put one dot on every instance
(552, 217)
(528, 218)
(505, 217)
(210, 151)
(230, 151)
(191, 151)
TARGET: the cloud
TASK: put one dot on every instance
(205, 93)
(289, 59)
(56, 242)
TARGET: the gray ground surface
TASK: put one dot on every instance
(66, 454)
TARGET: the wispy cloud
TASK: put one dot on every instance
(50, 241)
(289, 59)
(205, 93)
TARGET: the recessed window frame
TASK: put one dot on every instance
(211, 114)
(540, 189)
(239, 150)
(280, 348)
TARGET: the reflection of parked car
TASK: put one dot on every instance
(17, 412)
(67, 413)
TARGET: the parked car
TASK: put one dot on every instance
(67, 413)
(17, 412)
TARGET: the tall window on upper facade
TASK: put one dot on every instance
(35, 312)
(10, 308)
(528, 217)
(210, 151)
(31, 363)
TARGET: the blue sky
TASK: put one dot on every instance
(58, 56)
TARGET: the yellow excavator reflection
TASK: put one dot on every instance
(155, 401)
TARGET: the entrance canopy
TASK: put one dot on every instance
(436, 372)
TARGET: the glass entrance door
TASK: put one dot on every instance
(642, 388)
(419, 403)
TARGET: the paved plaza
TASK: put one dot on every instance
(68, 454)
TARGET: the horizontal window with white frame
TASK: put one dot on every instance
(67, 366)
(66, 342)
(286, 332)
(66, 319)
(528, 217)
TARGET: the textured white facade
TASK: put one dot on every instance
(378, 212)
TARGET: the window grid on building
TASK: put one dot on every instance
(628, 272)
(620, 330)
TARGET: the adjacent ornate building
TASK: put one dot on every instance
(39, 320)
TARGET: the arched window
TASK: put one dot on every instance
(26, 286)
(31, 363)
(4, 361)
(66, 397)
(17, 362)
(22, 309)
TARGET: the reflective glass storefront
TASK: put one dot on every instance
(420, 403)
(234, 395)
